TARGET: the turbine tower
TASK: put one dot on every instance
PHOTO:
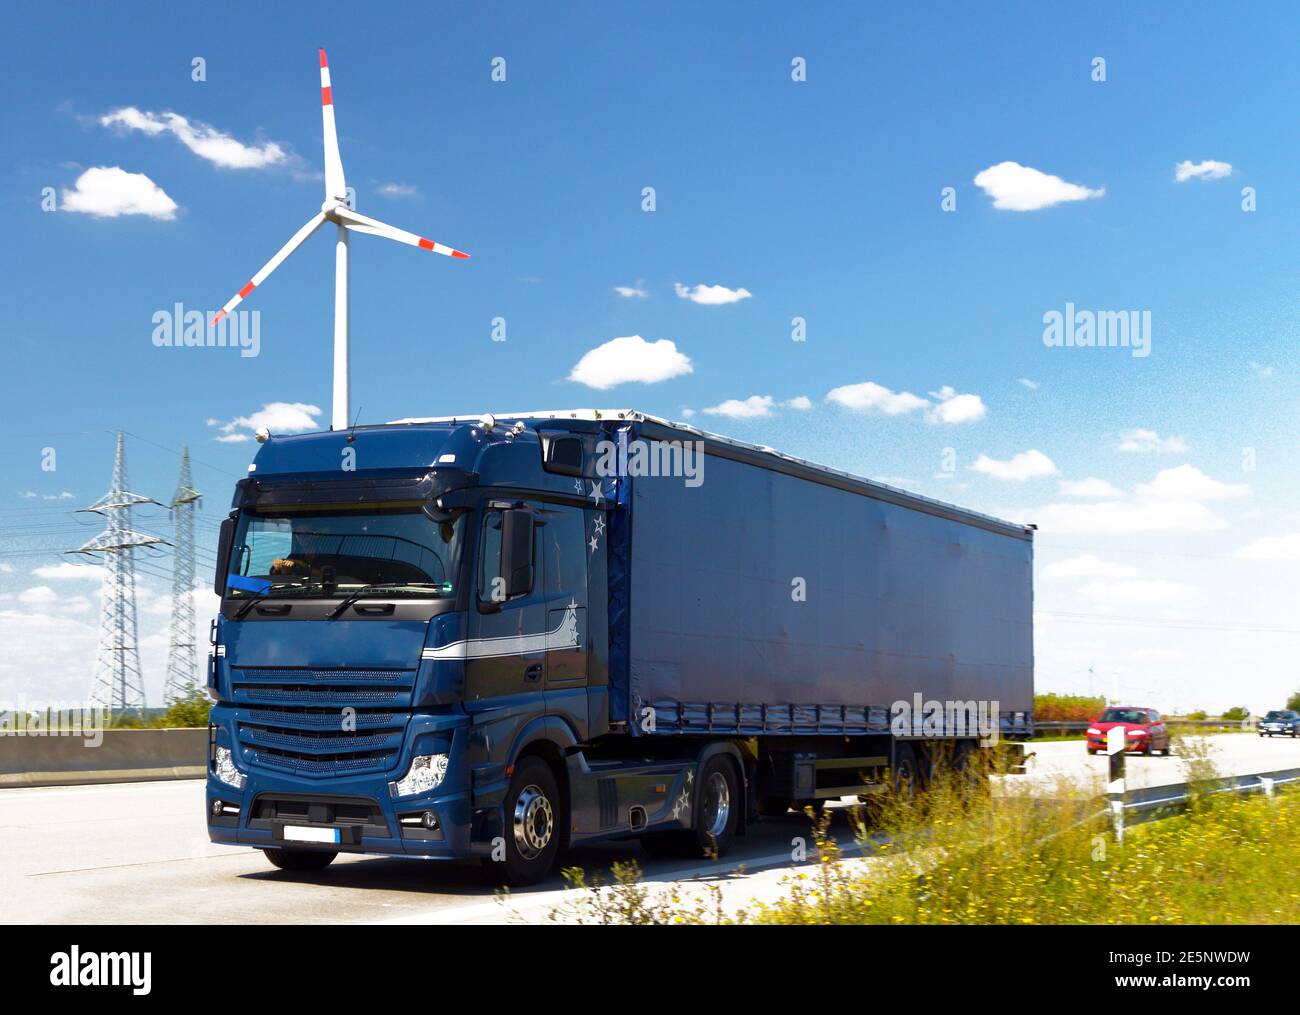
(117, 683)
(335, 209)
(182, 659)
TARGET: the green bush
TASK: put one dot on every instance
(1236, 713)
(190, 710)
(1067, 707)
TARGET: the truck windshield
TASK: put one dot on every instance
(398, 551)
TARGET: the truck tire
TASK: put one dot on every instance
(301, 859)
(535, 820)
(715, 812)
(907, 771)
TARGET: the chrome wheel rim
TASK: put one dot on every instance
(716, 805)
(534, 822)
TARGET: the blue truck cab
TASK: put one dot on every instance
(458, 638)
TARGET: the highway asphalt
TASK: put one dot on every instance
(138, 853)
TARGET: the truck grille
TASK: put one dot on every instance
(292, 719)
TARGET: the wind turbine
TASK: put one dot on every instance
(335, 209)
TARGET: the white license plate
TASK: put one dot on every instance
(299, 833)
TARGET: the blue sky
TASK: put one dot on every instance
(820, 198)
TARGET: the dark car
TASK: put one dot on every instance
(1144, 730)
(1283, 722)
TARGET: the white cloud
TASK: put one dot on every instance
(38, 595)
(872, 397)
(711, 295)
(1186, 482)
(398, 190)
(277, 417)
(1261, 369)
(753, 407)
(630, 358)
(1172, 502)
(204, 141)
(1088, 566)
(66, 570)
(1207, 170)
(1123, 517)
(800, 403)
(1141, 442)
(1014, 187)
(1029, 464)
(1272, 548)
(955, 408)
(110, 191)
(1137, 593)
(631, 292)
(1031, 385)
(1090, 487)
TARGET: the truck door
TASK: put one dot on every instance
(505, 654)
(564, 577)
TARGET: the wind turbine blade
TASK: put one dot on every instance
(365, 224)
(336, 186)
(312, 225)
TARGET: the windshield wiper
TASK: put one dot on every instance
(242, 612)
(356, 594)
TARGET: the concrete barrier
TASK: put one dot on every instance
(123, 756)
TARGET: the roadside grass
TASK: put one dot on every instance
(964, 853)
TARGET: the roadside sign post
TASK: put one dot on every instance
(1116, 741)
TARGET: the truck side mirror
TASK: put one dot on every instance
(224, 541)
(517, 551)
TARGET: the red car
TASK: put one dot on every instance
(1144, 731)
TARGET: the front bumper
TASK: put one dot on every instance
(359, 811)
(1131, 743)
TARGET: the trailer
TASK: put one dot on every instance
(497, 636)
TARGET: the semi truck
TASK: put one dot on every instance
(499, 636)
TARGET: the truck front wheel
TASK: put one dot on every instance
(300, 859)
(534, 822)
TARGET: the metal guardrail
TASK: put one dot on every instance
(1150, 801)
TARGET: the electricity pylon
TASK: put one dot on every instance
(117, 683)
(182, 658)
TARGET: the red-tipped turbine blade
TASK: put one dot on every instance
(335, 185)
(312, 225)
(365, 224)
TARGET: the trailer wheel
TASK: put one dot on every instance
(906, 774)
(300, 859)
(534, 822)
(715, 812)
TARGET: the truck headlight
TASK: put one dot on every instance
(426, 772)
(225, 770)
